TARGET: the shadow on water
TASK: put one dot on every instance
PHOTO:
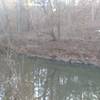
(35, 78)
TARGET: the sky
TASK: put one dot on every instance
(64, 1)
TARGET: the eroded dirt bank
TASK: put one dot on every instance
(74, 50)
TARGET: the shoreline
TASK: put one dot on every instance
(69, 61)
(74, 51)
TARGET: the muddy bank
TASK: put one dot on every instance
(80, 51)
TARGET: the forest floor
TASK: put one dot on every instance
(80, 51)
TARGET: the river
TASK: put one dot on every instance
(34, 78)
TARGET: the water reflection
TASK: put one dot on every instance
(61, 86)
(40, 79)
(2, 91)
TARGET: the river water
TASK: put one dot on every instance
(33, 78)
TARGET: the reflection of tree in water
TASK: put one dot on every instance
(53, 84)
(2, 93)
(48, 81)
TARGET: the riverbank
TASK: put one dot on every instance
(79, 51)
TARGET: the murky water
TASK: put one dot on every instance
(41, 79)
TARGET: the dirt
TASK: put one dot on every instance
(74, 50)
